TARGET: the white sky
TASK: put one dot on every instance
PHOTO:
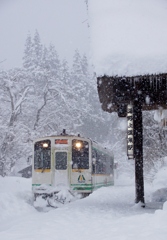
(60, 22)
(128, 37)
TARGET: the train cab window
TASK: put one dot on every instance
(61, 160)
(42, 154)
(80, 154)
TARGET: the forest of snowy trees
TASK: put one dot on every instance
(45, 96)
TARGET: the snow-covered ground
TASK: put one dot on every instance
(108, 213)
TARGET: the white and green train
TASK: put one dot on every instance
(72, 161)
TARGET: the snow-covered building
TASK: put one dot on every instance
(26, 172)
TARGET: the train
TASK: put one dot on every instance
(71, 161)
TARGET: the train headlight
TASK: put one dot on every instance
(78, 145)
(45, 145)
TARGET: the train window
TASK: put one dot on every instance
(100, 162)
(108, 165)
(61, 160)
(111, 165)
(93, 161)
(100, 165)
(42, 154)
(80, 154)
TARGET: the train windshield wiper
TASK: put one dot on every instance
(43, 169)
(45, 166)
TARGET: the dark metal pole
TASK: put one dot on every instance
(138, 151)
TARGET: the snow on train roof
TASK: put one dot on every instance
(128, 37)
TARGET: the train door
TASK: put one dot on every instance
(61, 168)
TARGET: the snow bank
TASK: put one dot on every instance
(159, 193)
(160, 180)
(108, 213)
(15, 197)
(128, 37)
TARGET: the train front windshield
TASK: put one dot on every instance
(80, 154)
(42, 155)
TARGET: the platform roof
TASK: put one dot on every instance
(128, 37)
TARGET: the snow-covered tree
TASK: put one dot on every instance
(28, 57)
(15, 89)
(37, 50)
(44, 97)
(154, 144)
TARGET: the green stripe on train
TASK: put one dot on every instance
(90, 186)
(81, 186)
(40, 185)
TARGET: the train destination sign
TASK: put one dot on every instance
(61, 141)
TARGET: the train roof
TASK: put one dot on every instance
(94, 143)
(65, 136)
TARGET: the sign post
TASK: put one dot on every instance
(138, 152)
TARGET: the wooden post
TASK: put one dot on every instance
(138, 151)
